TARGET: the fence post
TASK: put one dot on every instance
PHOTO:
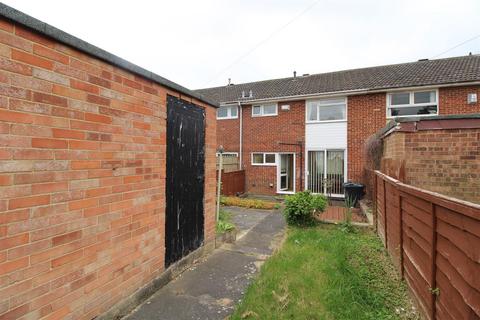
(375, 195)
(433, 279)
(385, 212)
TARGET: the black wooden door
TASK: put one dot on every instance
(184, 179)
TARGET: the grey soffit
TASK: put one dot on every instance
(455, 70)
(63, 37)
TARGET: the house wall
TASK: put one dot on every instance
(444, 161)
(366, 115)
(82, 179)
(228, 134)
(266, 134)
(453, 100)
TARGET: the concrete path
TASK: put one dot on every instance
(211, 288)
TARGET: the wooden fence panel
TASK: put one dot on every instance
(380, 201)
(435, 242)
(233, 183)
(393, 223)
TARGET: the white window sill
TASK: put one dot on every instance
(413, 115)
(227, 118)
(285, 192)
(326, 121)
(264, 115)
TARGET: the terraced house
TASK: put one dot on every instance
(309, 131)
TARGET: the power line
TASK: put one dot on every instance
(271, 35)
(458, 45)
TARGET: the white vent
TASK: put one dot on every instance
(472, 98)
(285, 107)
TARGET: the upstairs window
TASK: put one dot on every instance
(227, 112)
(264, 110)
(415, 103)
(263, 159)
(326, 110)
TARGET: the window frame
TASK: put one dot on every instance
(264, 157)
(262, 106)
(410, 105)
(326, 102)
(229, 112)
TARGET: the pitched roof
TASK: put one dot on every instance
(63, 37)
(420, 73)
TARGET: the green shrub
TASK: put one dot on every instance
(301, 207)
(224, 222)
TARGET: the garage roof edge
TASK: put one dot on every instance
(79, 44)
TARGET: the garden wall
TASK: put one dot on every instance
(433, 241)
(82, 174)
(439, 154)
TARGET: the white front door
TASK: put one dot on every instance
(286, 173)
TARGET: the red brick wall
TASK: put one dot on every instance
(366, 115)
(82, 179)
(453, 100)
(265, 134)
(444, 161)
(228, 134)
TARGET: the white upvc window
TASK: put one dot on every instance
(264, 159)
(227, 112)
(265, 110)
(331, 110)
(412, 103)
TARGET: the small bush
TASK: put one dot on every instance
(224, 223)
(301, 207)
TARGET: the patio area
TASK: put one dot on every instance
(335, 212)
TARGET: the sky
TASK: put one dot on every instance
(203, 43)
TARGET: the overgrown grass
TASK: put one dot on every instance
(248, 203)
(325, 273)
(224, 223)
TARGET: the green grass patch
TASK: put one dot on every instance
(325, 273)
(224, 223)
(248, 203)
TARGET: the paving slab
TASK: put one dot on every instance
(211, 288)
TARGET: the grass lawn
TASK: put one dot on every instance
(325, 273)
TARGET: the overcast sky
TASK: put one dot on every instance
(202, 43)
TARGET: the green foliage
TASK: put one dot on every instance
(224, 223)
(301, 207)
(324, 273)
(346, 224)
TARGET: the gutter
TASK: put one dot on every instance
(74, 42)
(344, 93)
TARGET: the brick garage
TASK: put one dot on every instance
(441, 155)
(82, 174)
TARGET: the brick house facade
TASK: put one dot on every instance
(82, 174)
(366, 114)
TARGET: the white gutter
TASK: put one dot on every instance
(349, 93)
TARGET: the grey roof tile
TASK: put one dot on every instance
(420, 73)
